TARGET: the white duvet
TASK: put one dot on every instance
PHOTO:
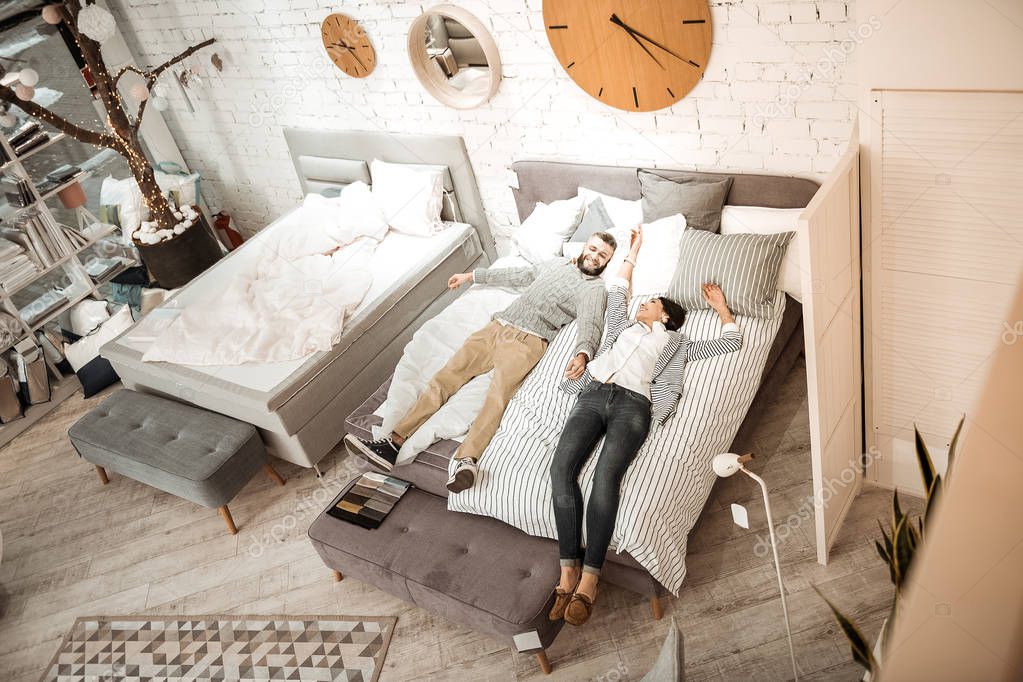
(294, 295)
(666, 486)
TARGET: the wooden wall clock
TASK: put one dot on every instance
(347, 45)
(636, 56)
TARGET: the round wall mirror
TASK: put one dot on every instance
(454, 56)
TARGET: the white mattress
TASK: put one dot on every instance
(399, 261)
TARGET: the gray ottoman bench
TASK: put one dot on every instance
(180, 449)
(473, 570)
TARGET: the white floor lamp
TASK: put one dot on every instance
(727, 464)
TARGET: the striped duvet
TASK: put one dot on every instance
(666, 486)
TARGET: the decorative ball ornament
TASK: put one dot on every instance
(140, 92)
(51, 14)
(159, 90)
(28, 77)
(159, 103)
(24, 92)
(96, 23)
(7, 120)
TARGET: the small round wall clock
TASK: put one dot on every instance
(347, 45)
(636, 56)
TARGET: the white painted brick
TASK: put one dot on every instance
(762, 104)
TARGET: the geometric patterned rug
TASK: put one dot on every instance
(223, 648)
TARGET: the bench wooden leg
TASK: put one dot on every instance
(226, 514)
(655, 606)
(545, 663)
(338, 577)
(272, 473)
(102, 474)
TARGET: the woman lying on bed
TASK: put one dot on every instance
(635, 379)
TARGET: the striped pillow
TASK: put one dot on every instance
(744, 265)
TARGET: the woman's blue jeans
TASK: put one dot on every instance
(623, 418)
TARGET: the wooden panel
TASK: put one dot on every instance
(946, 250)
(829, 251)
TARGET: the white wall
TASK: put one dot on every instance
(777, 95)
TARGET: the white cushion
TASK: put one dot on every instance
(763, 220)
(80, 352)
(624, 214)
(542, 234)
(86, 315)
(411, 196)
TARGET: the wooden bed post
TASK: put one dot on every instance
(226, 514)
(102, 474)
(337, 576)
(655, 606)
(545, 663)
(272, 473)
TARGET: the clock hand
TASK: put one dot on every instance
(351, 51)
(653, 42)
(618, 22)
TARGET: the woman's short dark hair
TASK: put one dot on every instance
(676, 313)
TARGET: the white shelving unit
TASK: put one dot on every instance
(82, 284)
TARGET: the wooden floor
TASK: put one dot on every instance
(72, 547)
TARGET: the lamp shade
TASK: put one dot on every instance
(72, 196)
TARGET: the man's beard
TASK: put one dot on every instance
(587, 267)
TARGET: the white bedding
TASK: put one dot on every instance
(397, 262)
(665, 487)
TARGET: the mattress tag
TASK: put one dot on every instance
(525, 641)
(739, 515)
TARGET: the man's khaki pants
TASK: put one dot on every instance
(509, 352)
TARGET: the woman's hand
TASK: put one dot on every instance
(714, 296)
(635, 241)
(460, 279)
(576, 366)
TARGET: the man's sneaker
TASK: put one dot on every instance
(383, 453)
(464, 475)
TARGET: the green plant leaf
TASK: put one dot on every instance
(952, 446)
(896, 509)
(932, 497)
(923, 458)
(861, 652)
(886, 552)
(905, 546)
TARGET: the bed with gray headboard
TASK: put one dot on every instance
(299, 406)
(550, 181)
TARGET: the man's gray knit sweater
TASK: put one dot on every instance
(556, 293)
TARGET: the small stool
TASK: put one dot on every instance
(180, 449)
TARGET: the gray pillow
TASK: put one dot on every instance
(595, 219)
(745, 266)
(700, 201)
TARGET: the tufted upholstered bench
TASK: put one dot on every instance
(180, 449)
(473, 570)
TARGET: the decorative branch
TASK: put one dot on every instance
(155, 73)
(125, 70)
(61, 124)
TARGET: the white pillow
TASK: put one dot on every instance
(542, 234)
(624, 214)
(360, 214)
(763, 220)
(86, 315)
(658, 257)
(411, 196)
(80, 352)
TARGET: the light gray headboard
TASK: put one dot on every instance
(326, 158)
(548, 181)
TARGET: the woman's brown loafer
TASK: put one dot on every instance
(561, 599)
(579, 609)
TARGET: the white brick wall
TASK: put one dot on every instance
(776, 95)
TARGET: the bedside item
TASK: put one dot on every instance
(30, 368)
(744, 265)
(635, 58)
(369, 500)
(595, 219)
(197, 455)
(94, 371)
(473, 570)
(454, 56)
(411, 195)
(10, 402)
(347, 45)
(85, 316)
(699, 201)
(727, 464)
